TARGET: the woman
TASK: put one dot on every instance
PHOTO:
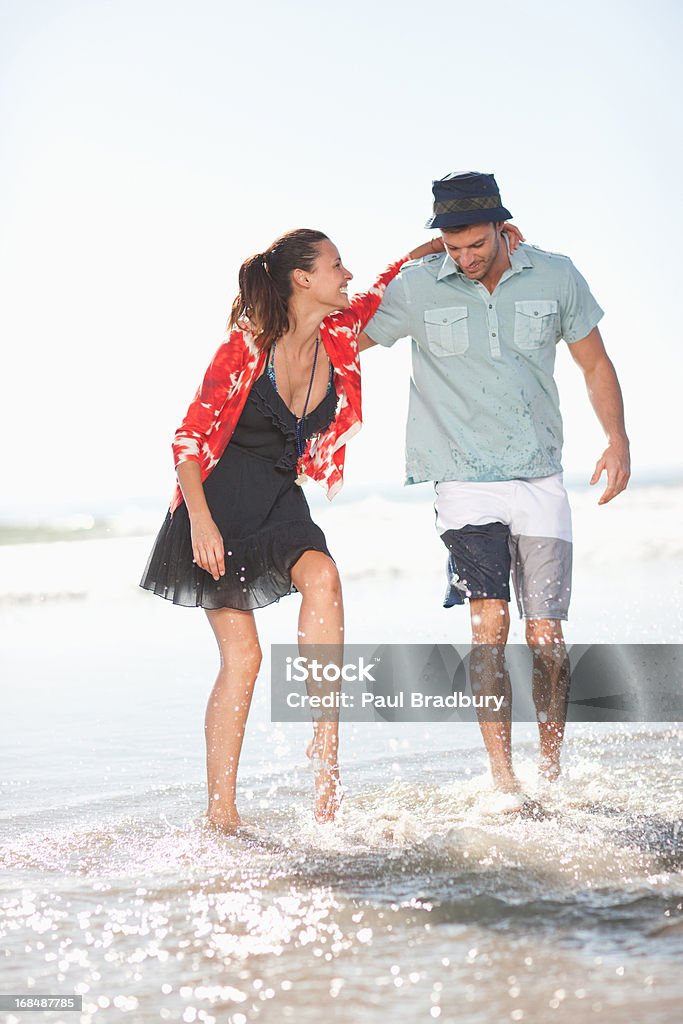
(277, 404)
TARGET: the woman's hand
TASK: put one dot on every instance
(207, 541)
(427, 248)
(207, 544)
(514, 235)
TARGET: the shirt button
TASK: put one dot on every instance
(490, 306)
(444, 321)
(493, 334)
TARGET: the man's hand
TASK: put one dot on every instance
(616, 462)
(605, 395)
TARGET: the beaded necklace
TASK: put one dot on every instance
(300, 430)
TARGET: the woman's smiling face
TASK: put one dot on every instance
(329, 278)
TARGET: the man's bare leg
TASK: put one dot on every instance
(551, 678)
(490, 627)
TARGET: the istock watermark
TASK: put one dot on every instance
(446, 682)
(303, 669)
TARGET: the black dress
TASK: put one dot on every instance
(256, 504)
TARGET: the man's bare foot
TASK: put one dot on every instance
(329, 792)
(549, 769)
(533, 811)
(227, 822)
(505, 780)
(500, 802)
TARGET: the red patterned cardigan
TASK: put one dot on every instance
(212, 417)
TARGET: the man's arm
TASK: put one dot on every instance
(392, 308)
(391, 321)
(605, 395)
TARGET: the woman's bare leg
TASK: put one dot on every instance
(227, 710)
(321, 625)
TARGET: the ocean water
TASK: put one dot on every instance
(420, 902)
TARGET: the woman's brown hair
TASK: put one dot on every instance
(265, 282)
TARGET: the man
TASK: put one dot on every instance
(484, 424)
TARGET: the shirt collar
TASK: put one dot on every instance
(519, 260)
(448, 267)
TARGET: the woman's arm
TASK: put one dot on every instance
(188, 444)
(435, 245)
(364, 305)
(217, 386)
(514, 235)
(207, 542)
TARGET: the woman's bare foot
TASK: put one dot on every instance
(329, 792)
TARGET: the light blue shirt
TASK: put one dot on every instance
(483, 399)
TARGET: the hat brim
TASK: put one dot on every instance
(459, 220)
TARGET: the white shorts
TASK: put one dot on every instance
(495, 529)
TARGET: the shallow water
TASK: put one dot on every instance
(419, 903)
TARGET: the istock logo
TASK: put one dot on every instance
(300, 670)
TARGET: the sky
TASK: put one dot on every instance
(149, 147)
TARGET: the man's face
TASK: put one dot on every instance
(473, 248)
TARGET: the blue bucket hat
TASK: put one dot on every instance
(470, 198)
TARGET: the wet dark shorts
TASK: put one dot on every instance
(478, 563)
(518, 528)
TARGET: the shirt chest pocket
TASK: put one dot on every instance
(446, 330)
(535, 323)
